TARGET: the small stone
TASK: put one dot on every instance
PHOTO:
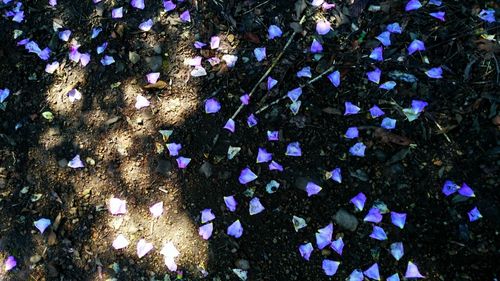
(62, 163)
(164, 167)
(155, 63)
(206, 169)
(133, 57)
(35, 258)
(243, 264)
(345, 220)
(157, 48)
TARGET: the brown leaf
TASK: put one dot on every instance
(158, 85)
(488, 46)
(251, 37)
(388, 137)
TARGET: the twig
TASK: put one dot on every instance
(498, 69)
(439, 127)
(261, 4)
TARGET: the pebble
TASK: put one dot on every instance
(206, 169)
(62, 163)
(346, 220)
(163, 167)
(243, 264)
(155, 63)
(133, 57)
(35, 258)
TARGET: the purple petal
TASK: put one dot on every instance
(384, 38)
(196, 61)
(317, 3)
(205, 231)
(10, 263)
(117, 206)
(275, 166)
(394, 277)
(230, 203)
(120, 242)
(316, 47)
(295, 107)
(252, 120)
(388, 123)
(305, 72)
(23, 42)
(378, 233)
(153, 77)
(182, 162)
(418, 105)
(438, 15)
(330, 267)
(42, 224)
(274, 31)
(334, 77)
(95, 32)
(168, 6)
(323, 27)
(74, 55)
(198, 71)
(487, 15)
(397, 250)
(255, 206)
(295, 94)
(435, 2)
(306, 250)
(84, 59)
(352, 133)
(75, 162)
(372, 272)
(359, 201)
(185, 16)
(199, 45)
(338, 245)
(247, 176)
(324, 236)
(373, 215)
(412, 271)
(18, 16)
(350, 108)
(377, 54)
(230, 125)
(260, 53)
(141, 102)
(138, 4)
(117, 13)
(173, 148)
(51, 67)
(293, 149)
(146, 25)
(271, 83)
(107, 60)
(416, 45)
(156, 210)
(413, 5)
(466, 191)
(53, 3)
(389, 85)
(312, 189)
(100, 49)
(245, 99)
(374, 75)
(170, 252)
(474, 214)
(207, 215)
(214, 42)
(64, 35)
(435, 72)
(398, 219)
(375, 111)
(394, 28)
(326, 6)
(358, 149)
(235, 229)
(273, 135)
(356, 275)
(73, 96)
(230, 60)
(212, 106)
(264, 156)
(143, 247)
(337, 175)
(449, 188)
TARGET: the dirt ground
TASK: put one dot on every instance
(456, 138)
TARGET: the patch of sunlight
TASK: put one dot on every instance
(57, 98)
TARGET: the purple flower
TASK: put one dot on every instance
(173, 148)
(169, 6)
(138, 4)
(207, 215)
(418, 106)
(394, 277)
(324, 236)
(352, 133)
(413, 5)
(375, 111)
(394, 28)
(198, 71)
(212, 106)
(388, 123)
(205, 231)
(74, 95)
(95, 32)
(10, 263)
(358, 149)
(235, 229)
(389, 85)
(141, 102)
(336, 175)
(107, 60)
(74, 54)
(230, 203)
(338, 245)
(374, 75)
(199, 45)
(18, 16)
(359, 201)
(53, 3)
(306, 250)
(317, 3)
(449, 188)
(4, 94)
(84, 59)
(334, 77)
(312, 189)
(398, 219)
(376, 54)
(466, 191)
(64, 35)
(412, 271)
(273, 135)
(156, 210)
(356, 275)
(185, 16)
(474, 214)
(120, 242)
(214, 42)
(260, 53)
(117, 13)
(316, 47)
(271, 83)
(230, 125)
(247, 176)
(330, 267)
(264, 156)
(255, 206)
(372, 272)
(435, 2)
(373, 215)
(274, 31)
(327, 6)
(75, 162)
(397, 250)
(295, 94)
(487, 15)
(152, 77)
(305, 72)
(350, 108)
(384, 38)
(438, 15)
(42, 224)
(323, 27)
(245, 99)
(117, 206)
(230, 60)
(143, 248)
(182, 162)
(435, 72)
(100, 49)
(252, 120)
(275, 166)
(146, 25)
(293, 149)
(416, 45)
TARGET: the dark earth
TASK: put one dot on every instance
(456, 138)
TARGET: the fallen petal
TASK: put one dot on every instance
(42, 224)
(143, 248)
(120, 242)
(235, 229)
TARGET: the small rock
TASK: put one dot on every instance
(35, 258)
(111, 120)
(157, 48)
(164, 167)
(206, 169)
(62, 163)
(133, 57)
(243, 264)
(154, 63)
(346, 220)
